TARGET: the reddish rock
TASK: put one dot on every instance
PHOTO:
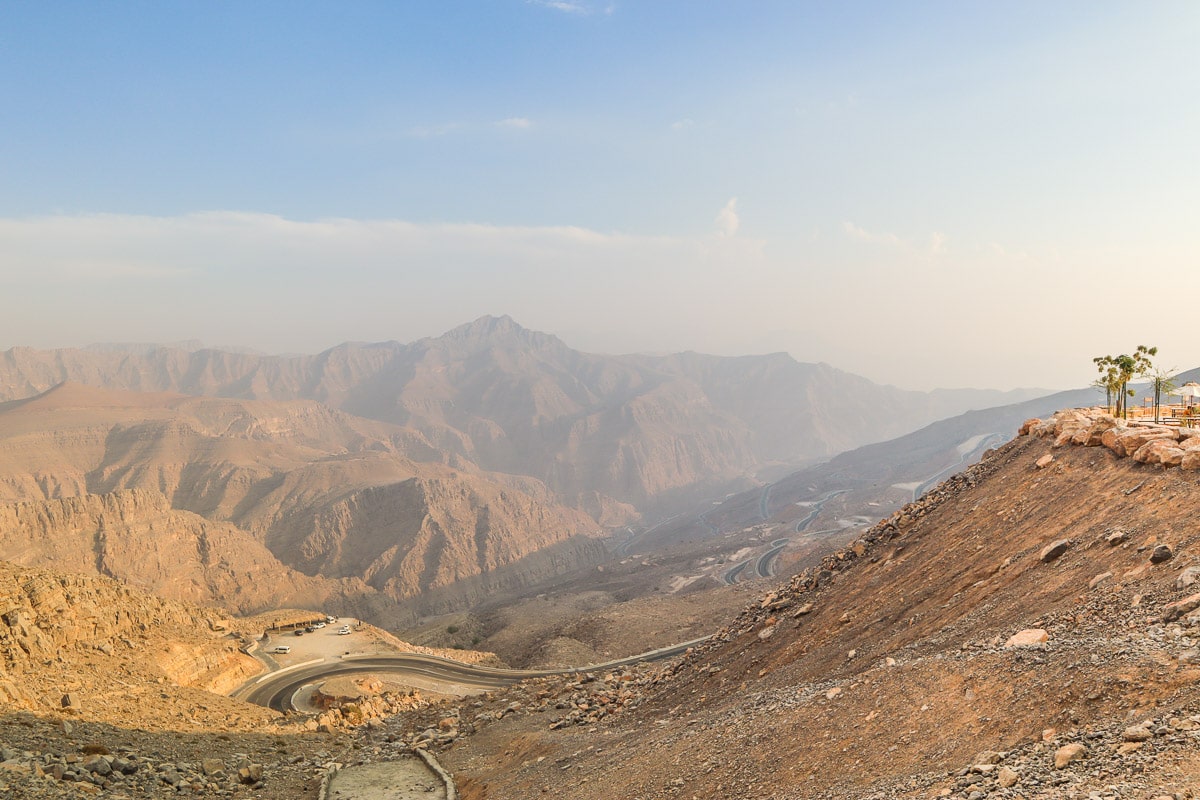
(1174, 611)
(1068, 753)
(1159, 451)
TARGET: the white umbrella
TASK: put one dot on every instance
(1189, 389)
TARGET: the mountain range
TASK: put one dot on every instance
(397, 479)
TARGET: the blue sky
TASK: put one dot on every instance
(929, 194)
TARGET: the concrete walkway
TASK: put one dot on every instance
(405, 779)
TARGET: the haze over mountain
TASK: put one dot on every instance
(396, 479)
(877, 478)
(613, 435)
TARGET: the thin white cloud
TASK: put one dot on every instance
(519, 123)
(682, 124)
(567, 6)
(727, 220)
(868, 236)
(937, 243)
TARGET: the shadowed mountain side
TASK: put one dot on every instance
(552, 566)
(329, 494)
(603, 432)
(135, 536)
(870, 480)
(918, 456)
(421, 534)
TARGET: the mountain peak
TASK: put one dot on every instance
(492, 330)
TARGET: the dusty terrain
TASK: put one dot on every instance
(896, 680)
(1028, 629)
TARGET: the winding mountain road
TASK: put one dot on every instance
(276, 689)
(763, 499)
(763, 565)
(966, 451)
(816, 509)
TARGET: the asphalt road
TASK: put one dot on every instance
(275, 689)
(937, 477)
(816, 509)
(763, 565)
(731, 575)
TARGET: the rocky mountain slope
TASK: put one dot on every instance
(861, 484)
(97, 648)
(608, 434)
(254, 504)
(1028, 629)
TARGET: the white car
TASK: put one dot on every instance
(319, 625)
(344, 630)
(282, 648)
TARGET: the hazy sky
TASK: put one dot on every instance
(928, 194)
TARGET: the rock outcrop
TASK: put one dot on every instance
(1168, 445)
(93, 647)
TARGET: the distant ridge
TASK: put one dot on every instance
(614, 435)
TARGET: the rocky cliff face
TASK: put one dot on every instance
(256, 504)
(84, 644)
(422, 534)
(135, 536)
(363, 561)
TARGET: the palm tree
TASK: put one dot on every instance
(1117, 371)
(1163, 381)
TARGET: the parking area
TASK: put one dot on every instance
(321, 643)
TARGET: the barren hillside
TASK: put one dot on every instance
(892, 671)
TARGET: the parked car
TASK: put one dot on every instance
(310, 629)
(344, 630)
(282, 648)
(299, 632)
(331, 619)
(319, 625)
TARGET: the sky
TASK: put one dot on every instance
(933, 194)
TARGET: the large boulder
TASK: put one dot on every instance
(1159, 451)
(1127, 441)
(1092, 436)
(1173, 611)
